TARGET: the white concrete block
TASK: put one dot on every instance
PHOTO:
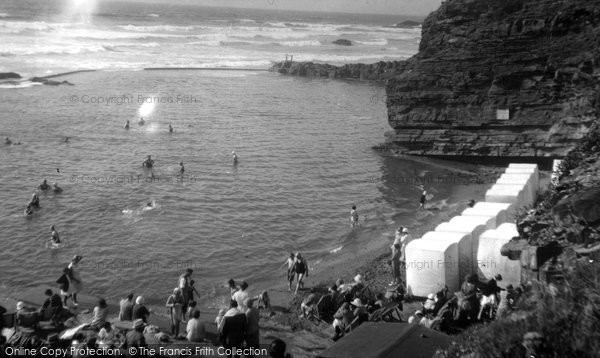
(490, 262)
(505, 210)
(472, 225)
(509, 228)
(527, 195)
(524, 170)
(426, 269)
(463, 240)
(498, 215)
(504, 195)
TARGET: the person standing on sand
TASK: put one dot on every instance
(301, 270)
(185, 287)
(126, 308)
(75, 278)
(252, 329)
(174, 304)
(241, 296)
(64, 285)
(423, 200)
(353, 216)
(396, 254)
(405, 238)
(290, 272)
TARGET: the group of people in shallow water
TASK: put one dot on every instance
(34, 203)
(142, 121)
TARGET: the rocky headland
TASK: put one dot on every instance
(491, 79)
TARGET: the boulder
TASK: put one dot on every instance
(9, 76)
(342, 42)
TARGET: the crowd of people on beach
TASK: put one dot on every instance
(237, 327)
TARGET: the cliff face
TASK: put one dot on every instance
(539, 59)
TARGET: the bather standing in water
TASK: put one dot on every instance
(127, 124)
(170, 128)
(235, 158)
(35, 201)
(55, 238)
(56, 189)
(353, 216)
(142, 121)
(148, 163)
(44, 185)
(181, 168)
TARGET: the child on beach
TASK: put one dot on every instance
(353, 216)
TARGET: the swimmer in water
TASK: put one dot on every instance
(148, 163)
(56, 189)
(66, 139)
(170, 128)
(353, 216)
(35, 201)
(181, 168)
(142, 121)
(44, 186)
(127, 124)
(471, 203)
(235, 158)
(7, 141)
(55, 238)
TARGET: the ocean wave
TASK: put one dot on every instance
(298, 43)
(157, 28)
(26, 50)
(153, 15)
(3, 14)
(22, 26)
(377, 42)
(18, 84)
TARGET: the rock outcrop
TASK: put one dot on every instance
(342, 42)
(46, 81)
(407, 24)
(9, 76)
(371, 72)
(509, 78)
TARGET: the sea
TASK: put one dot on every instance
(307, 148)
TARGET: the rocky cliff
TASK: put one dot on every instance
(535, 61)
